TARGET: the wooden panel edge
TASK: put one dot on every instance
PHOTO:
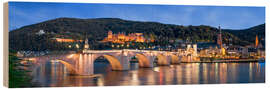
(5, 44)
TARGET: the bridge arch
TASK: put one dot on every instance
(143, 60)
(70, 67)
(175, 59)
(114, 62)
(162, 59)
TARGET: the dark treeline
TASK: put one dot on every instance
(25, 38)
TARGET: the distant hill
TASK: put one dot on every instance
(25, 38)
(250, 33)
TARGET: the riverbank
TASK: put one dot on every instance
(18, 77)
(225, 61)
(25, 54)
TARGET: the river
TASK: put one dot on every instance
(55, 74)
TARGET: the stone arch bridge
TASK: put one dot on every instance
(83, 64)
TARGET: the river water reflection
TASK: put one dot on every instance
(55, 74)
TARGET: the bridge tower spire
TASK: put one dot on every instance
(86, 45)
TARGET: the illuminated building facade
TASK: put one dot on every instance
(66, 40)
(192, 49)
(122, 38)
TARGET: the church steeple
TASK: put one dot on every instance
(219, 38)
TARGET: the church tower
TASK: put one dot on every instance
(110, 34)
(219, 39)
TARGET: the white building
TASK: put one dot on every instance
(192, 50)
(41, 32)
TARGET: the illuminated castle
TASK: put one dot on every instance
(256, 42)
(122, 38)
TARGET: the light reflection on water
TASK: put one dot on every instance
(56, 74)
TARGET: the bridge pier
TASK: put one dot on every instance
(168, 59)
(151, 61)
(124, 61)
(85, 64)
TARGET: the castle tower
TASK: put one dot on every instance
(188, 47)
(219, 39)
(256, 42)
(86, 45)
(195, 49)
(110, 34)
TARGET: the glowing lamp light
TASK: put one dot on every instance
(31, 59)
(77, 46)
(156, 69)
(70, 56)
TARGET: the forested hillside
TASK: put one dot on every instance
(25, 38)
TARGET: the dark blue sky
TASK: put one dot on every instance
(26, 13)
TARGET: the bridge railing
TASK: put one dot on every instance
(128, 50)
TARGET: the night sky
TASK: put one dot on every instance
(229, 17)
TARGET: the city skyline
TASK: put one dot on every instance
(229, 17)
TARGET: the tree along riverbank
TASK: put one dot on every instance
(18, 77)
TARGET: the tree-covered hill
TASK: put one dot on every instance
(25, 38)
(250, 33)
